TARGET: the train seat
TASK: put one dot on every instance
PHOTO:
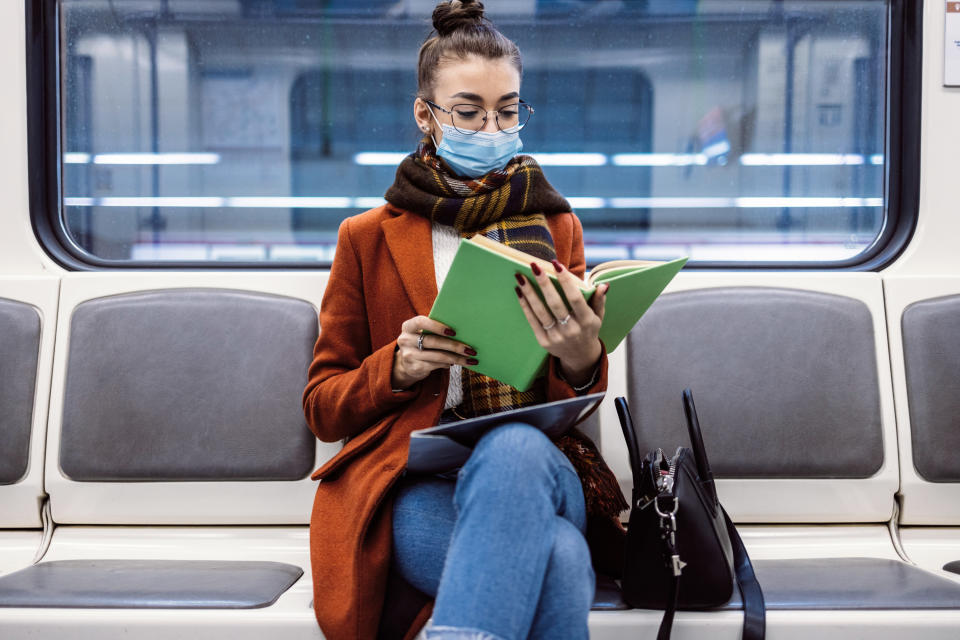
(178, 461)
(167, 457)
(791, 380)
(923, 314)
(28, 309)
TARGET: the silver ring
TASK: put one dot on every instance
(565, 320)
(420, 342)
(547, 327)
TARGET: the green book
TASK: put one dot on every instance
(478, 301)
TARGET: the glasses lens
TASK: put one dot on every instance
(468, 118)
(514, 115)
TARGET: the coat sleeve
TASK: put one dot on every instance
(348, 383)
(557, 387)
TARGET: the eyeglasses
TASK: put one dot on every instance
(470, 118)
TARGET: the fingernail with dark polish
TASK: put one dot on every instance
(472, 361)
(449, 332)
(519, 278)
(557, 265)
(536, 269)
(519, 293)
(469, 351)
(606, 288)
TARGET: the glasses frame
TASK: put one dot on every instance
(486, 114)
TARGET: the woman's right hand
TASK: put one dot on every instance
(411, 364)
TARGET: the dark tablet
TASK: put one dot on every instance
(447, 446)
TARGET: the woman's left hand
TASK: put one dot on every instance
(569, 334)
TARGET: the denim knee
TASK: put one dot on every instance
(517, 462)
(570, 564)
(519, 442)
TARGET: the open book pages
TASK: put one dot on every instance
(601, 272)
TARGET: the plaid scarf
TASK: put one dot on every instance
(510, 206)
(507, 206)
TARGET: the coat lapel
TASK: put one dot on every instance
(410, 241)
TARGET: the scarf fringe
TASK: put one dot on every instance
(601, 491)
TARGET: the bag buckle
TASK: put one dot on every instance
(677, 564)
(668, 528)
(668, 514)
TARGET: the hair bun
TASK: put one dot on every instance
(457, 14)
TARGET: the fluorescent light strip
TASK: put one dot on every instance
(587, 203)
(76, 158)
(238, 202)
(391, 158)
(672, 203)
(658, 159)
(156, 158)
(369, 202)
(801, 202)
(570, 159)
(775, 252)
(141, 158)
(202, 202)
(271, 202)
(379, 158)
(801, 159)
(80, 202)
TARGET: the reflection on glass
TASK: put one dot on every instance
(247, 130)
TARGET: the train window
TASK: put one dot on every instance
(206, 132)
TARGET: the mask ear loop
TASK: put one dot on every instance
(435, 145)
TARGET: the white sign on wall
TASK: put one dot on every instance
(951, 45)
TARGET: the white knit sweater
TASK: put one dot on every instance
(445, 243)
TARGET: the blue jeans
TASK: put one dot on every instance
(502, 548)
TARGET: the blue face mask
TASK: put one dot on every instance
(475, 154)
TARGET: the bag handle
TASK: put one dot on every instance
(696, 443)
(633, 449)
(754, 607)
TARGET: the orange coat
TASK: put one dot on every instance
(383, 274)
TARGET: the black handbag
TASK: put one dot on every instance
(682, 550)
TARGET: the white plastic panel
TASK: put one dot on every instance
(194, 503)
(273, 544)
(784, 500)
(773, 542)
(17, 549)
(932, 547)
(291, 616)
(20, 502)
(924, 503)
(781, 625)
(285, 624)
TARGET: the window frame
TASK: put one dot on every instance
(902, 133)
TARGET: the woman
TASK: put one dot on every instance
(501, 547)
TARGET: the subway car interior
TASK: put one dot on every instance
(175, 173)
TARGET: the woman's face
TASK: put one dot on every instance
(485, 82)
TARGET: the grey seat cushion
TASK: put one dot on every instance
(148, 584)
(847, 583)
(785, 381)
(851, 583)
(19, 350)
(931, 354)
(177, 385)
